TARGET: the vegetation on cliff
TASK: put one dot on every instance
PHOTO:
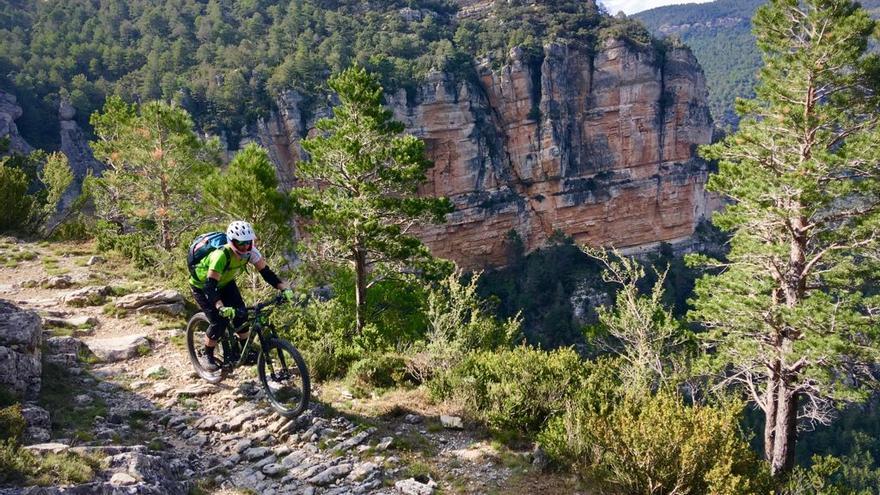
(225, 61)
(721, 37)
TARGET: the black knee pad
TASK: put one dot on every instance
(215, 331)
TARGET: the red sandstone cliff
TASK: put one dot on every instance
(601, 147)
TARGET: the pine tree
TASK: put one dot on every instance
(156, 165)
(248, 190)
(790, 317)
(360, 204)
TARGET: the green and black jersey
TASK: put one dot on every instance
(225, 262)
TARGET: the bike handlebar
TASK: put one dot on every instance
(274, 302)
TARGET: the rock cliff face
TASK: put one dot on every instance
(9, 112)
(598, 146)
(20, 338)
(75, 146)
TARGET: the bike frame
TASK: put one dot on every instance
(257, 324)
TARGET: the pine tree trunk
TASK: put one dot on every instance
(360, 268)
(165, 202)
(770, 398)
(785, 436)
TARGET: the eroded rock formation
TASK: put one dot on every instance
(600, 147)
(10, 111)
(75, 146)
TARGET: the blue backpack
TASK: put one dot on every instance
(202, 246)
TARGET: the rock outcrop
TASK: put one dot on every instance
(20, 340)
(600, 147)
(75, 146)
(10, 111)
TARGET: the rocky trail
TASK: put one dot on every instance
(117, 385)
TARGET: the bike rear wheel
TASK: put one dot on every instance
(196, 330)
(284, 377)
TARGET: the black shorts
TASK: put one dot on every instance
(230, 296)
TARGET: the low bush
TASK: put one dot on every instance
(629, 443)
(12, 423)
(459, 322)
(20, 466)
(377, 372)
(321, 331)
(514, 390)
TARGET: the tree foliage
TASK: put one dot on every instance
(360, 206)
(225, 61)
(155, 167)
(31, 188)
(789, 317)
(650, 342)
(247, 189)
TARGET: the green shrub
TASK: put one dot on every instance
(14, 197)
(21, 466)
(321, 331)
(623, 443)
(459, 322)
(12, 423)
(377, 371)
(513, 390)
(135, 246)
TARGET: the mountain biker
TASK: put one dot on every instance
(213, 285)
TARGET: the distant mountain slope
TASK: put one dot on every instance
(720, 35)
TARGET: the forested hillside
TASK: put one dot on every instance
(224, 60)
(720, 34)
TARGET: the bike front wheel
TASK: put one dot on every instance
(285, 377)
(196, 330)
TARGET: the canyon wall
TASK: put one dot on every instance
(600, 147)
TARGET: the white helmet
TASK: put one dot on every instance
(240, 231)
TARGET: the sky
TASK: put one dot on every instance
(633, 6)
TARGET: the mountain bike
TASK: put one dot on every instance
(282, 371)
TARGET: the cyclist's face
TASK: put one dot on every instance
(243, 246)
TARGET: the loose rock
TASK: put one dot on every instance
(87, 296)
(119, 348)
(412, 487)
(452, 422)
(330, 474)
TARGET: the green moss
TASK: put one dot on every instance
(57, 395)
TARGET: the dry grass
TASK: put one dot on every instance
(393, 403)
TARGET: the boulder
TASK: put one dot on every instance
(87, 296)
(36, 416)
(38, 424)
(51, 448)
(362, 471)
(412, 486)
(197, 389)
(34, 435)
(59, 282)
(157, 301)
(354, 441)
(20, 339)
(119, 348)
(153, 474)
(330, 474)
(64, 345)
